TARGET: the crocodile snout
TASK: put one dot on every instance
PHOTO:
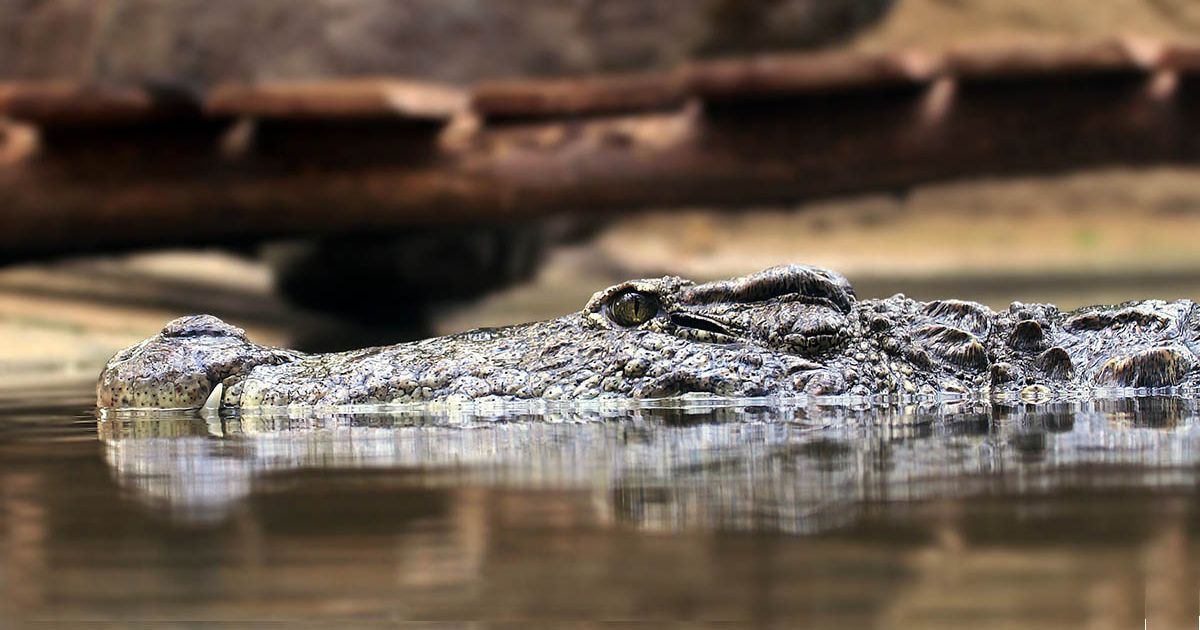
(179, 367)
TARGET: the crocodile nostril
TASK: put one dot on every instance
(201, 326)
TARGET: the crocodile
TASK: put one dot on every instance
(788, 331)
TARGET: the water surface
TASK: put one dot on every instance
(1052, 515)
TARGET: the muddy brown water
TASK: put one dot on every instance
(1061, 515)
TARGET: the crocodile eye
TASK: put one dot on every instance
(632, 308)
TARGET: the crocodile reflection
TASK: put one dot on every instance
(799, 470)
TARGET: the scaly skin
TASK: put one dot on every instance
(784, 331)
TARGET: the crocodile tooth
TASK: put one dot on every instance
(1055, 363)
(1027, 336)
(1155, 367)
(212, 404)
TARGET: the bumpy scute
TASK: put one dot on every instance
(1055, 364)
(1027, 336)
(969, 316)
(955, 345)
(1156, 367)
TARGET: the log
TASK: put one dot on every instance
(781, 137)
(62, 103)
(367, 98)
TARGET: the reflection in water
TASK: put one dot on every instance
(1067, 515)
(792, 469)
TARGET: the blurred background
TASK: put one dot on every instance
(166, 158)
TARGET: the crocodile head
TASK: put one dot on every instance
(776, 332)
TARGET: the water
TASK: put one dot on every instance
(1060, 515)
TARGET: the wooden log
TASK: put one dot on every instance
(60, 103)
(782, 137)
(787, 76)
(342, 99)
